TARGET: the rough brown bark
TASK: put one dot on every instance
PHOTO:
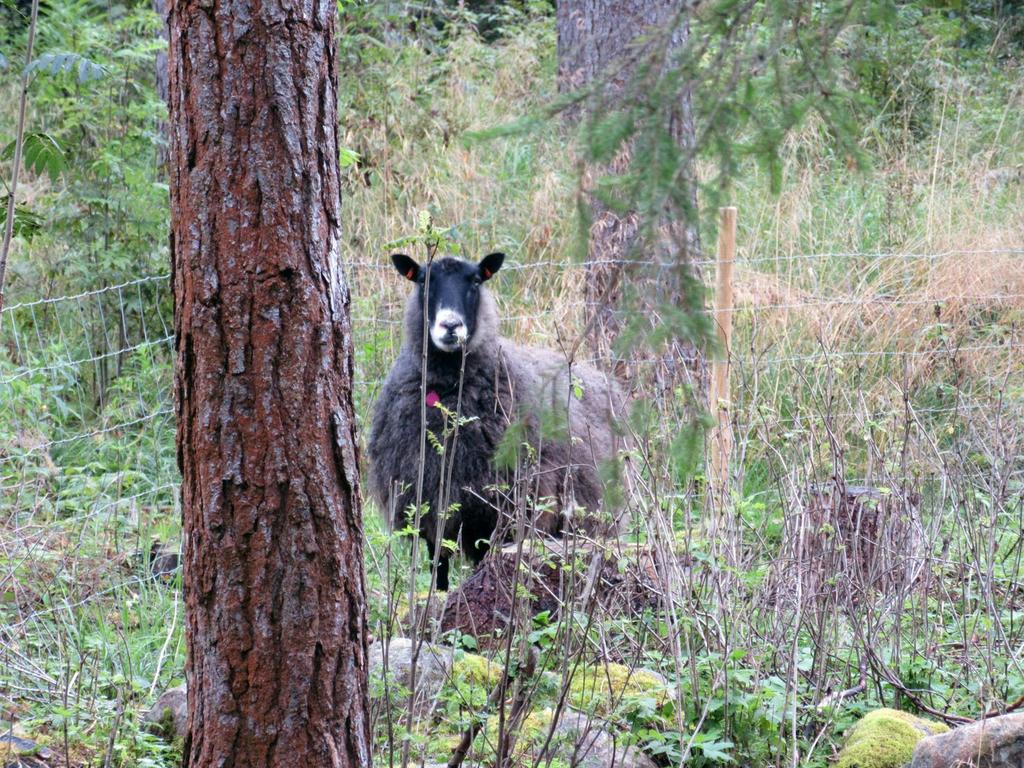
(274, 590)
(600, 41)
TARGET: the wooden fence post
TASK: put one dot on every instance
(718, 395)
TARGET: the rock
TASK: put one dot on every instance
(579, 740)
(433, 669)
(23, 761)
(18, 746)
(997, 742)
(161, 562)
(164, 561)
(885, 738)
(425, 613)
(602, 688)
(25, 752)
(609, 694)
(169, 716)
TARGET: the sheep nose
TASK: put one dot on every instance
(450, 325)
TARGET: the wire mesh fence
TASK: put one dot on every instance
(894, 371)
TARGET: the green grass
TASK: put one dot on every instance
(82, 498)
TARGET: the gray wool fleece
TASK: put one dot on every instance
(503, 384)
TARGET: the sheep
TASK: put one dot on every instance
(503, 384)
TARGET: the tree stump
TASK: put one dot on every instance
(857, 540)
(510, 586)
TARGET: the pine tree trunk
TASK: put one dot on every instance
(274, 590)
(601, 41)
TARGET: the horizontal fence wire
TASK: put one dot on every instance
(705, 262)
(51, 367)
(1009, 344)
(109, 464)
(119, 427)
(22, 341)
(384, 264)
(1013, 346)
(85, 295)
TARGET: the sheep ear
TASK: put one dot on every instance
(406, 266)
(490, 264)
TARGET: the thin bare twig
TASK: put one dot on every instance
(19, 141)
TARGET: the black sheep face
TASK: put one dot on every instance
(454, 295)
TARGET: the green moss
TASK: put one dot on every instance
(440, 743)
(534, 729)
(467, 689)
(537, 724)
(476, 670)
(885, 738)
(166, 724)
(530, 737)
(420, 600)
(601, 688)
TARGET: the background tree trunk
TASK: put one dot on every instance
(160, 65)
(274, 590)
(601, 41)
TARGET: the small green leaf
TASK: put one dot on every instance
(26, 223)
(41, 153)
(577, 388)
(66, 63)
(713, 748)
(425, 221)
(347, 157)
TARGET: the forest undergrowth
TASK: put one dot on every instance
(877, 486)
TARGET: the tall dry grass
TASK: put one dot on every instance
(843, 373)
(877, 343)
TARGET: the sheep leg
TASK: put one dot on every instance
(442, 574)
(476, 536)
(442, 566)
